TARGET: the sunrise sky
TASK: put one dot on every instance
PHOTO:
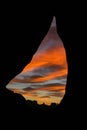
(44, 78)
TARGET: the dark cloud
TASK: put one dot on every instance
(28, 89)
(47, 68)
(41, 72)
(57, 94)
(48, 87)
(45, 96)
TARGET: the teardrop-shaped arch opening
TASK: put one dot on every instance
(44, 78)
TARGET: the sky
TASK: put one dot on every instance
(44, 78)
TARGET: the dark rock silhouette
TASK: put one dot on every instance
(21, 35)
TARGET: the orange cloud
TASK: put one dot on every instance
(55, 56)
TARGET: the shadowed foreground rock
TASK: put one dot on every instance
(17, 112)
(21, 35)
